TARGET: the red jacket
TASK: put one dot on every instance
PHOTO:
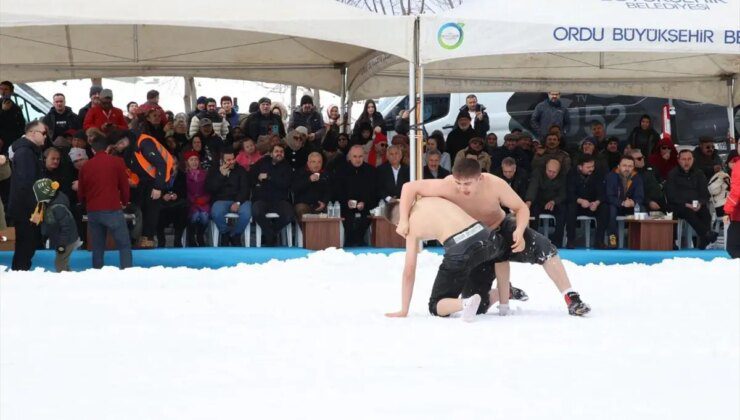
(732, 205)
(96, 117)
(103, 183)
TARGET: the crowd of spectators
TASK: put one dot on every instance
(272, 166)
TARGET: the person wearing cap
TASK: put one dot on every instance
(211, 140)
(219, 124)
(104, 116)
(21, 202)
(459, 137)
(54, 216)
(94, 101)
(550, 112)
(12, 121)
(78, 157)
(609, 157)
(264, 122)
(306, 115)
(478, 115)
(476, 151)
(200, 106)
(706, 157)
(60, 117)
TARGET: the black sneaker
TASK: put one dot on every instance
(575, 305)
(517, 294)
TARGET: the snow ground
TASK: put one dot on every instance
(307, 338)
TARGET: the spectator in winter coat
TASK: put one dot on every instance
(517, 178)
(27, 169)
(433, 146)
(199, 200)
(249, 155)
(546, 194)
(272, 194)
(644, 137)
(654, 197)
(152, 100)
(686, 186)
(5, 173)
(174, 210)
(511, 149)
(478, 115)
(460, 136)
(230, 114)
(308, 117)
(610, 157)
(550, 112)
(664, 159)
(296, 154)
(624, 191)
(706, 157)
(230, 188)
(433, 168)
(311, 186)
(94, 101)
(719, 188)
(12, 122)
(476, 151)
(356, 192)
(207, 157)
(732, 209)
(56, 221)
(370, 115)
(552, 151)
(586, 198)
(60, 118)
(220, 126)
(263, 122)
(598, 135)
(105, 117)
(392, 175)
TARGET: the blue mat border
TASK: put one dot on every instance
(226, 257)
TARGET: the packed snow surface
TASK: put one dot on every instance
(307, 338)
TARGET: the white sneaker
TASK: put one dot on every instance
(470, 308)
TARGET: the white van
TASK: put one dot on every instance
(33, 105)
(619, 113)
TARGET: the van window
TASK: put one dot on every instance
(436, 106)
(30, 112)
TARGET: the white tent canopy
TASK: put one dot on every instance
(674, 49)
(304, 42)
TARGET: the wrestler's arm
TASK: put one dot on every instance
(511, 199)
(409, 191)
(409, 276)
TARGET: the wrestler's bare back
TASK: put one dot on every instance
(437, 218)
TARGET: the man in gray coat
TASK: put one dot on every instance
(548, 113)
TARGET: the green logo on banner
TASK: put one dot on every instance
(450, 35)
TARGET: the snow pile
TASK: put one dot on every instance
(307, 338)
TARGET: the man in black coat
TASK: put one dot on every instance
(263, 122)
(230, 188)
(60, 118)
(516, 177)
(586, 190)
(460, 136)
(94, 100)
(392, 175)
(311, 187)
(26, 170)
(547, 193)
(433, 170)
(478, 116)
(12, 122)
(687, 194)
(272, 194)
(356, 192)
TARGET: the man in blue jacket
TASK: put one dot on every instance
(624, 191)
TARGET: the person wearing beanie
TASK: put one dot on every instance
(609, 157)
(306, 115)
(200, 106)
(94, 100)
(478, 115)
(460, 136)
(476, 151)
(263, 122)
(57, 223)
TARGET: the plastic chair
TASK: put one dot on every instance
(545, 224)
(215, 233)
(286, 233)
(586, 224)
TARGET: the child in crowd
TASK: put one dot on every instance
(56, 220)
